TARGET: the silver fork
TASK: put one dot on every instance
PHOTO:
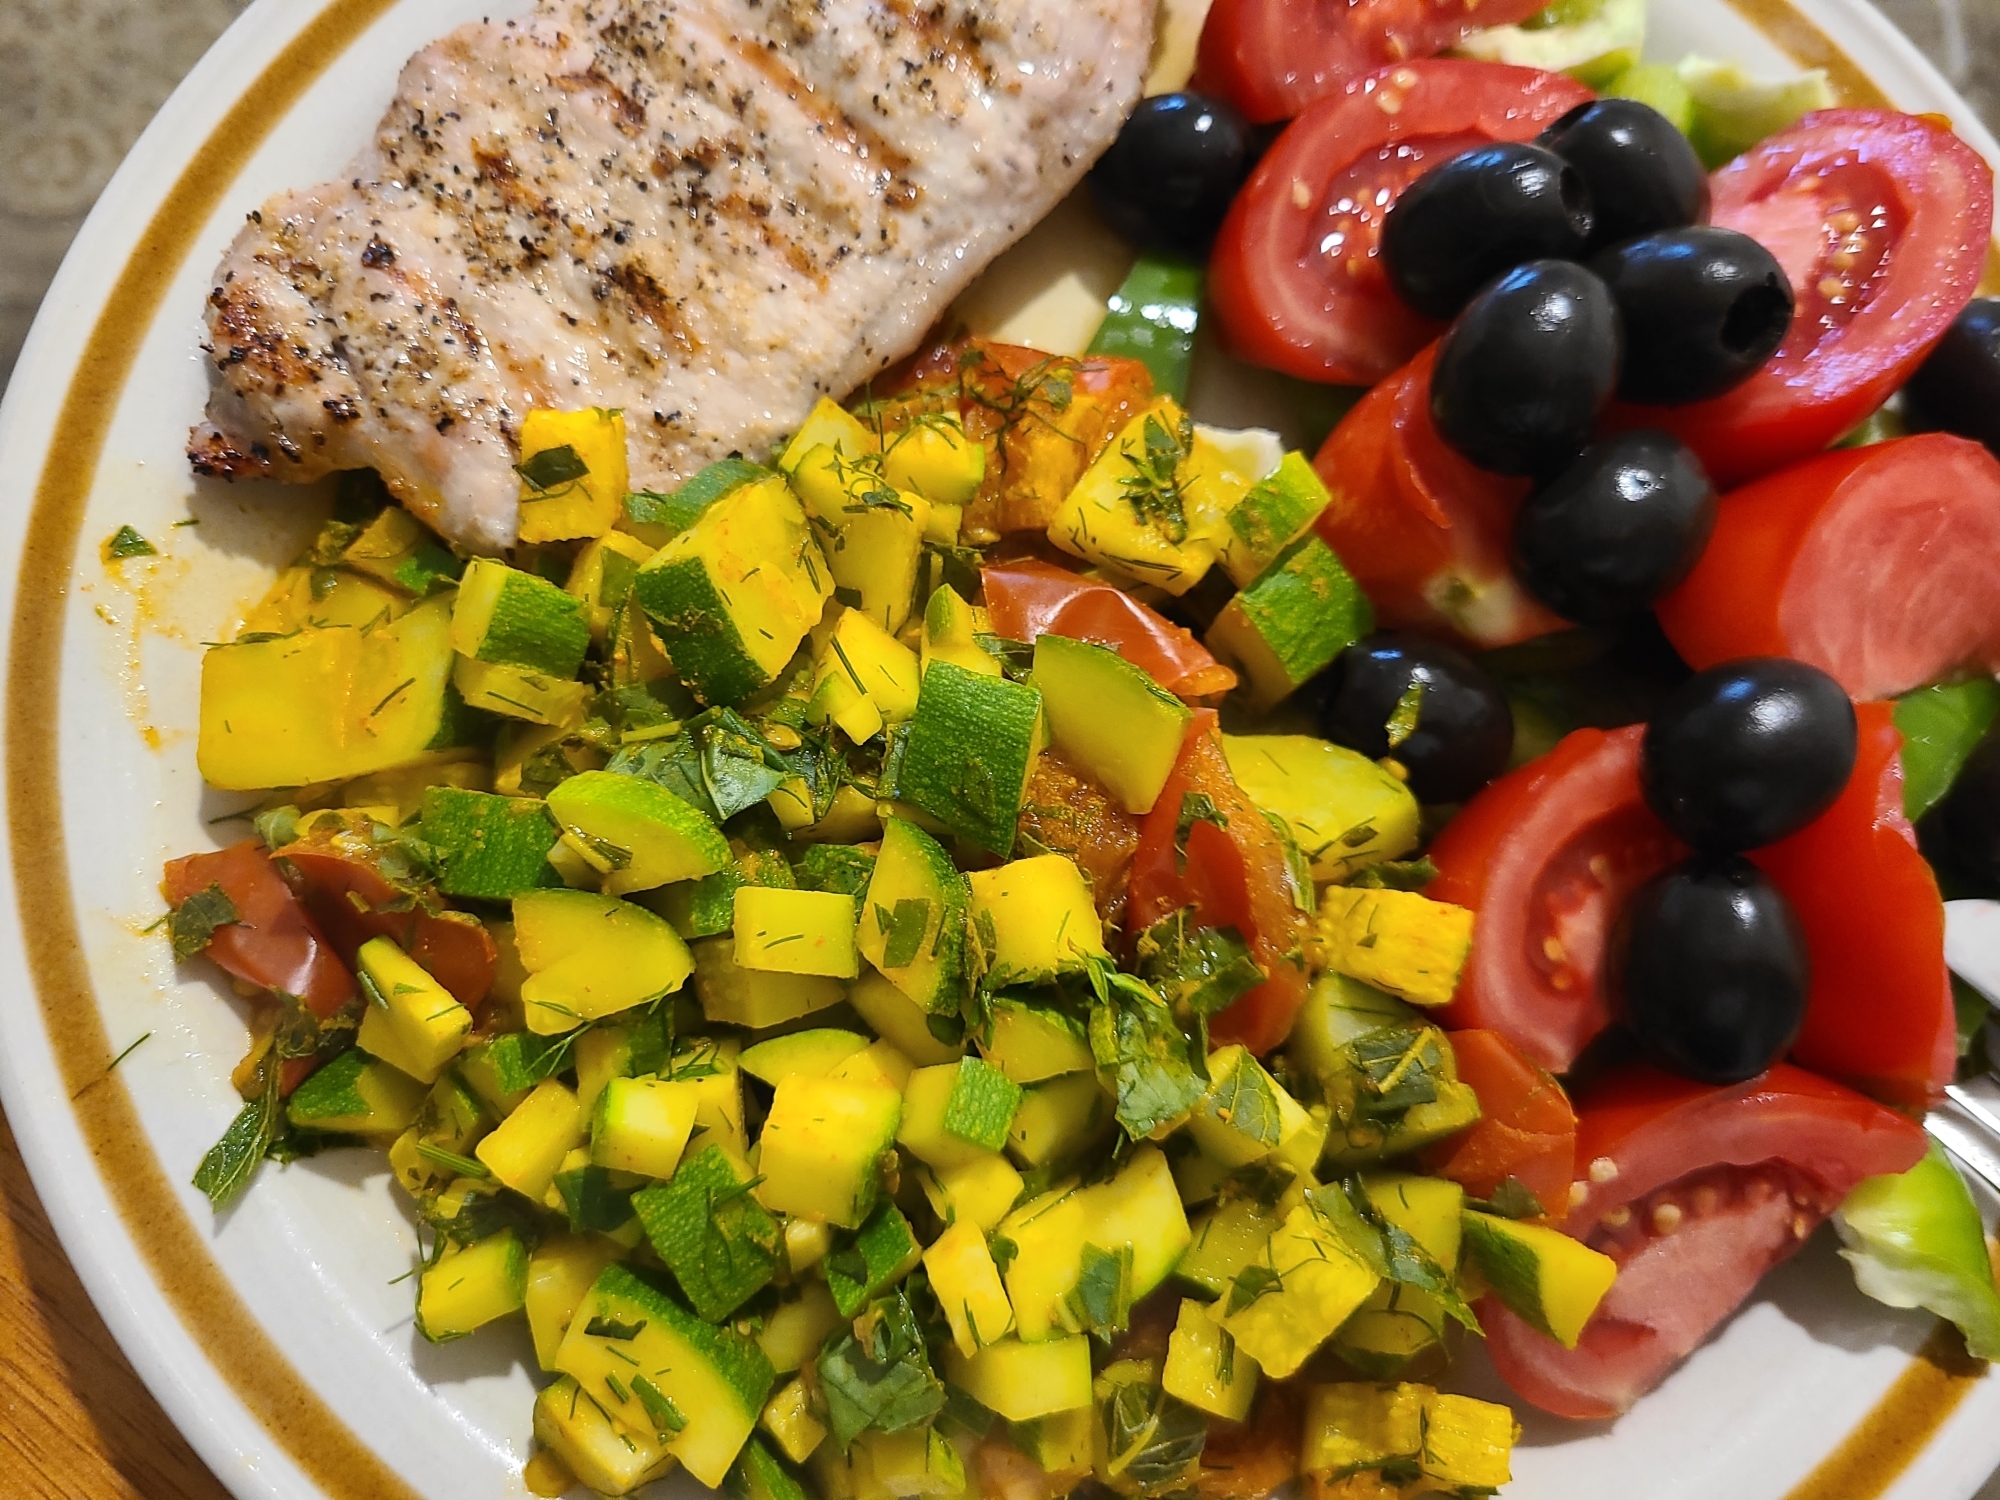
(1967, 1123)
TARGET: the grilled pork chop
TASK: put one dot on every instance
(706, 212)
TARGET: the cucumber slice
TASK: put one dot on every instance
(1289, 625)
(1153, 318)
(1117, 723)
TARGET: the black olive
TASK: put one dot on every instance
(1703, 309)
(1525, 372)
(1747, 752)
(1709, 969)
(1168, 179)
(1617, 528)
(1968, 819)
(1482, 212)
(1957, 389)
(1640, 171)
(1452, 728)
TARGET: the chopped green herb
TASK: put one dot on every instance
(193, 923)
(125, 542)
(552, 469)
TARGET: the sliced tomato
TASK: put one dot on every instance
(1424, 532)
(1235, 875)
(1296, 278)
(353, 900)
(1271, 58)
(276, 946)
(1527, 1130)
(1029, 598)
(1696, 1192)
(1880, 1016)
(1546, 856)
(1881, 220)
(1874, 564)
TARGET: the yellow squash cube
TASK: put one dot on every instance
(573, 474)
(1398, 941)
(525, 1149)
(412, 1022)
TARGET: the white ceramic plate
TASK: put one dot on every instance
(275, 1334)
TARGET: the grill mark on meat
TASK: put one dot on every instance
(707, 210)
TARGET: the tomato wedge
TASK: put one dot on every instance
(1296, 279)
(353, 900)
(1874, 564)
(1696, 1192)
(1881, 220)
(1546, 856)
(276, 946)
(1880, 1017)
(1271, 58)
(1028, 598)
(1527, 1130)
(1423, 531)
(1235, 876)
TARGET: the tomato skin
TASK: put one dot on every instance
(1880, 1014)
(1777, 1153)
(1271, 58)
(1028, 598)
(1546, 856)
(1422, 530)
(1873, 564)
(1234, 877)
(1528, 1130)
(1296, 279)
(276, 946)
(1833, 371)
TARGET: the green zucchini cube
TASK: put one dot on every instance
(957, 1112)
(760, 1474)
(707, 907)
(834, 867)
(885, 1250)
(504, 1069)
(354, 1094)
(1290, 623)
(515, 619)
(718, 1240)
(1120, 725)
(913, 917)
(397, 549)
(822, 1148)
(1277, 511)
(642, 1124)
(469, 1286)
(972, 746)
(599, 1452)
(1032, 1040)
(657, 519)
(642, 834)
(488, 848)
(592, 1196)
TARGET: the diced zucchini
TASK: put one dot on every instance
(1344, 810)
(807, 1243)
(506, 616)
(1468, 1443)
(1113, 719)
(354, 1094)
(1551, 1281)
(758, 1473)
(754, 998)
(1398, 941)
(560, 1274)
(879, 1062)
(972, 746)
(1059, 1118)
(1138, 510)
(1204, 1369)
(697, 1388)
(398, 792)
(1225, 1240)
(590, 956)
(707, 907)
(598, 1452)
(955, 1113)
(831, 424)
(951, 632)
(1353, 1427)
(401, 551)
(1061, 1444)
(795, 1330)
(503, 1069)
(573, 473)
(520, 693)
(1035, 919)
(1021, 1381)
(327, 704)
(834, 867)
(642, 1125)
(915, 1463)
(735, 593)
(1247, 1115)
(1335, 1012)
(1287, 626)
(1137, 1210)
(1033, 1041)
(934, 457)
(489, 848)
(643, 835)
(1278, 509)
(796, 932)
(705, 1225)
(412, 1021)
(885, 1250)
(469, 1286)
(866, 678)
(822, 1147)
(601, 579)
(912, 925)
(812, 1053)
(451, 1120)
(899, 1019)
(978, 1192)
(1401, 1329)
(1284, 1305)
(656, 519)
(968, 1288)
(527, 1147)
(1153, 318)
(872, 533)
